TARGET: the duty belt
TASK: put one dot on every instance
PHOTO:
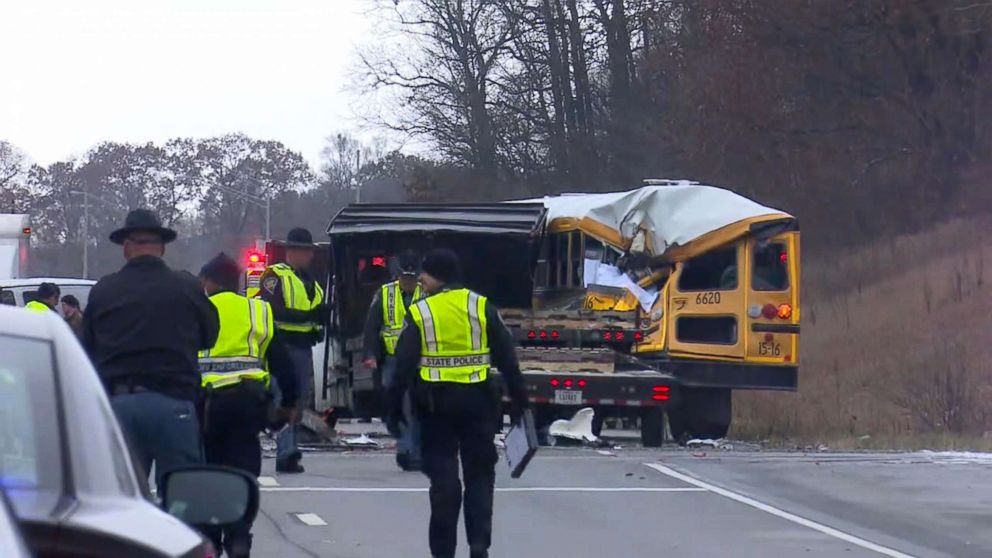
(454, 361)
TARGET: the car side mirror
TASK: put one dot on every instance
(210, 495)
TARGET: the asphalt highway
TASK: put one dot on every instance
(631, 502)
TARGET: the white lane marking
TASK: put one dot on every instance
(267, 481)
(311, 519)
(740, 498)
(514, 489)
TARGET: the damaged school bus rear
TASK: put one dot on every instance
(659, 299)
(714, 277)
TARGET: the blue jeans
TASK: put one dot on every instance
(302, 357)
(162, 430)
(408, 441)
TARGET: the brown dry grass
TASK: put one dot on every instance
(896, 347)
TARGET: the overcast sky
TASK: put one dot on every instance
(77, 72)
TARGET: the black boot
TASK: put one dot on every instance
(238, 545)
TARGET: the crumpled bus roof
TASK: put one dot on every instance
(679, 219)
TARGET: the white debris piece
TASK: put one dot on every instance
(709, 443)
(363, 441)
(578, 428)
(958, 457)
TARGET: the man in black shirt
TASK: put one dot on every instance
(142, 328)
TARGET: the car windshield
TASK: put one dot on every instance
(30, 455)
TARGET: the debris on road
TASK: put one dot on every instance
(721, 444)
(361, 441)
(579, 427)
(958, 457)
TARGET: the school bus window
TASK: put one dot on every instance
(565, 255)
(771, 267)
(710, 330)
(712, 271)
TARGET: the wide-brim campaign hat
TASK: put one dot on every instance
(299, 238)
(143, 220)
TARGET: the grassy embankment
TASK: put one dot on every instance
(896, 348)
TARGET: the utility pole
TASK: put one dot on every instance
(86, 234)
(86, 224)
(264, 203)
(358, 170)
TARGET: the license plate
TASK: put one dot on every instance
(568, 397)
(769, 349)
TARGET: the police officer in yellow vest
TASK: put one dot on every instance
(382, 329)
(300, 313)
(236, 376)
(450, 340)
(46, 300)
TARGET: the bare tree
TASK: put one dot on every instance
(439, 73)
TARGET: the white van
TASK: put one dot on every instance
(18, 292)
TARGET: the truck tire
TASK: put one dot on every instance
(678, 422)
(597, 422)
(652, 427)
(714, 412)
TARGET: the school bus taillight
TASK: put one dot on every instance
(769, 311)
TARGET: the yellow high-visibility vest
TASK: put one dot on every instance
(36, 306)
(246, 328)
(294, 294)
(454, 341)
(393, 314)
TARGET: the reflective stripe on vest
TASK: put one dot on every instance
(36, 306)
(246, 328)
(294, 294)
(393, 314)
(454, 341)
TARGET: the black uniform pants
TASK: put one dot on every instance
(459, 421)
(233, 418)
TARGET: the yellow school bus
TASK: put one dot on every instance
(714, 278)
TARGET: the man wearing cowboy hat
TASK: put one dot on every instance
(300, 312)
(143, 327)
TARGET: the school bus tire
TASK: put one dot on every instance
(652, 427)
(702, 413)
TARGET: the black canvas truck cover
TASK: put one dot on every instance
(494, 241)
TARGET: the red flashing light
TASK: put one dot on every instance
(783, 257)
(555, 334)
(661, 397)
(784, 311)
(26, 231)
(555, 382)
(544, 334)
(619, 336)
(769, 311)
(379, 261)
(661, 389)
(568, 382)
(607, 336)
(254, 259)
(532, 334)
(582, 383)
(638, 336)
